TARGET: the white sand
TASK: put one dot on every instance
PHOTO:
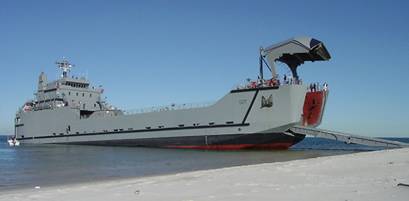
(362, 176)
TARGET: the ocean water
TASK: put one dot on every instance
(47, 165)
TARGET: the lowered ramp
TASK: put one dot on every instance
(347, 138)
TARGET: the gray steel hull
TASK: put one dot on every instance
(239, 119)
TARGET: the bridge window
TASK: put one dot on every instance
(83, 94)
(90, 95)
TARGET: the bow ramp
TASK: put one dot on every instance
(347, 138)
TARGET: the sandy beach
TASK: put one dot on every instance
(360, 176)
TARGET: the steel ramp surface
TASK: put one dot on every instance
(347, 138)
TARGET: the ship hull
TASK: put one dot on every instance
(243, 119)
(270, 141)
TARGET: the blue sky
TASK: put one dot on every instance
(159, 52)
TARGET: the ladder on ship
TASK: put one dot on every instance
(347, 138)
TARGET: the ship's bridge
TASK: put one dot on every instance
(72, 92)
(75, 82)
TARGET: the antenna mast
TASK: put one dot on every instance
(65, 66)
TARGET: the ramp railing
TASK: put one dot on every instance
(347, 138)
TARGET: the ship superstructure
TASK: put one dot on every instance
(258, 114)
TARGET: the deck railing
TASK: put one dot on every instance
(168, 108)
(267, 83)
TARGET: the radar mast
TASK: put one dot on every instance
(65, 66)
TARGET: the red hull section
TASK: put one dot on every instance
(314, 108)
(272, 146)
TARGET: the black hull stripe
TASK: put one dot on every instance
(251, 105)
(134, 131)
(231, 139)
(253, 89)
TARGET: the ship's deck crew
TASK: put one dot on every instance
(325, 86)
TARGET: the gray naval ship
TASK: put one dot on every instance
(256, 115)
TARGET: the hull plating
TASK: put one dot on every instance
(276, 141)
